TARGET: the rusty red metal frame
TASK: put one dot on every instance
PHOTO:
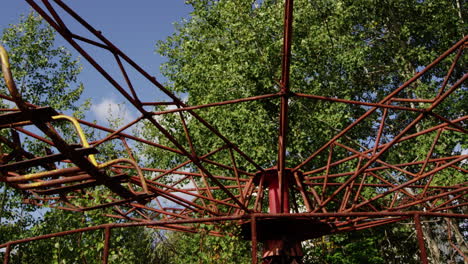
(251, 217)
(354, 188)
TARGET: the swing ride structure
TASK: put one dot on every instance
(354, 187)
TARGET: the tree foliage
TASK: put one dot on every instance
(203, 248)
(355, 50)
(47, 75)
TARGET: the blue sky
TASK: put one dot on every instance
(133, 26)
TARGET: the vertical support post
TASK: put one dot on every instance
(420, 235)
(279, 247)
(278, 196)
(253, 228)
(6, 258)
(283, 118)
(107, 235)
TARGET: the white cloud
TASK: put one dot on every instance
(180, 186)
(109, 110)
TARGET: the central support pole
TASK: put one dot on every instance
(283, 248)
(283, 118)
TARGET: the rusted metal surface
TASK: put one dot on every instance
(350, 187)
(420, 236)
(166, 223)
(253, 236)
(284, 91)
(6, 258)
(107, 236)
(280, 238)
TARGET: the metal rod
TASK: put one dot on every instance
(406, 184)
(237, 217)
(253, 227)
(303, 192)
(379, 133)
(362, 154)
(235, 101)
(449, 234)
(338, 100)
(399, 136)
(6, 257)
(236, 173)
(327, 170)
(115, 51)
(445, 125)
(452, 67)
(392, 94)
(420, 235)
(107, 235)
(283, 118)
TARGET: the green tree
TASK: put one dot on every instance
(358, 50)
(46, 75)
(203, 248)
